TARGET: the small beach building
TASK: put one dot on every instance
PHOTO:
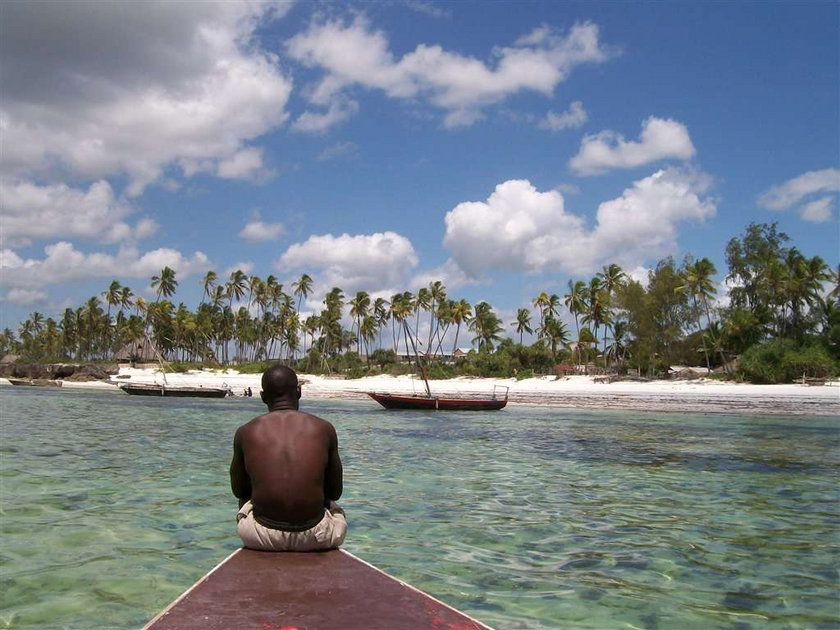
(141, 350)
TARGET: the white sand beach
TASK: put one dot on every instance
(583, 392)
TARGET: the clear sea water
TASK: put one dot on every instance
(526, 518)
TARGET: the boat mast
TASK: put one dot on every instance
(161, 361)
(417, 359)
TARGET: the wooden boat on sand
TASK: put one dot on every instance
(327, 589)
(439, 403)
(35, 382)
(430, 402)
(166, 390)
(157, 389)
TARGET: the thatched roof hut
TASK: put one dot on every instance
(142, 350)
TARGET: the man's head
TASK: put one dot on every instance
(280, 383)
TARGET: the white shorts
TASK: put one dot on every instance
(327, 534)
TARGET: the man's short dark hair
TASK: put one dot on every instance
(279, 380)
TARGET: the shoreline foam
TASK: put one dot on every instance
(580, 392)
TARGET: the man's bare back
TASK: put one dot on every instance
(286, 462)
(291, 459)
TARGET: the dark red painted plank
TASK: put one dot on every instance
(309, 591)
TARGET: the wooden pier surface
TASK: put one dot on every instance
(332, 590)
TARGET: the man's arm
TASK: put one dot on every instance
(240, 483)
(334, 477)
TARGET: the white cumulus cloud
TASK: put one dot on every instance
(450, 273)
(338, 111)
(24, 296)
(245, 164)
(660, 139)
(63, 263)
(31, 212)
(519, 228)
(794, 191)
(256, 230)
(575, 116)
(112, 88)
(356, 55)
(818, 211)
(369, 262)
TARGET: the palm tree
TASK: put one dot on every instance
(126, 295)
(112, 295)
(311, 325)
(617, 350)
(235, 287)
(443, 320)
(8, 343)
(486, 326)
(584, 341)
(140, 307)
(359, 310)
(542, 303)
(834, 278)
(209, 282)
(380, 312)
(69, 333)
(422, 303)
(302, 288)
(575, 301)
(367, 333)
(218, 297)
(815, 273)
(400, 308)
(36, 321)
(331, 330)
(523, 323)
(461, 312)
(165, 283)
(437, 294)
(612, 277)
(555, 332)
(698, 283)
(92, 315)
(291, 328)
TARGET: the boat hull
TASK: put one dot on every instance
(35, 382)
(181, 392)
(436, 403)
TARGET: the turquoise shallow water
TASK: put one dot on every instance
(525, 518)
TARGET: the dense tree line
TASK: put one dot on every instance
(777, 296)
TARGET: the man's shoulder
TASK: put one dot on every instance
(291, 414)
(251, 424)
(312, 418)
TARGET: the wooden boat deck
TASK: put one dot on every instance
(305, 591)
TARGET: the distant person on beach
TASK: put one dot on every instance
(287, 474)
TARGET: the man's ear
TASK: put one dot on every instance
(262, 397)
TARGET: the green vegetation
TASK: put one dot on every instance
(782, 321)
(784, 360)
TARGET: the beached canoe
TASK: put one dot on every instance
(155, 389)
(35, 382)
(315, 590)
(438, 403)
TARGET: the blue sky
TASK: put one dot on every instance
(501, 147)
